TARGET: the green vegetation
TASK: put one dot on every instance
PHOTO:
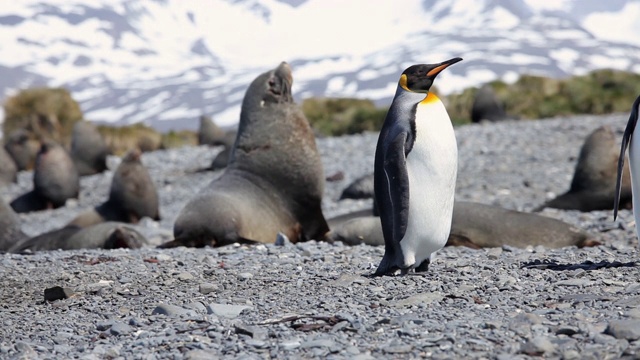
(123, 138)
(531, 97)
(339, 116)
(535, 97)
(45, 112)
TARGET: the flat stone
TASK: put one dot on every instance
(573, 282)
(245, 276)
(119, 328)
(172, 310)
(207, 288)
(184, 276)
(327, 343)
(226, 310)
(399, 349)
(624, 329)
(57, 293)
(424, 298)
(537, 346)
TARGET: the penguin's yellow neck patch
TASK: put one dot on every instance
(430, 98)
(403, 82)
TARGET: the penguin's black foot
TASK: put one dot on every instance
(424, 267)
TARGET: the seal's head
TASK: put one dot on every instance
(271, 87)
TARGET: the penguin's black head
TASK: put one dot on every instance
(419, 78)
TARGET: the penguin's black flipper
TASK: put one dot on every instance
(626, 139)
(392, 193)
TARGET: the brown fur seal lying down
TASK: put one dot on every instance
(89, 150)
(594, 181)
(476, 226)
(274, 181)
(10, 232)
(132, 196)
(108, 235)
(8, 168)
(55, 180)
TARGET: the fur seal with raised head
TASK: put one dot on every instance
(274, 181)
(55, 180)
(132, 196)
(474, 225)
(89, 150)
(107, 235)
(594, 181)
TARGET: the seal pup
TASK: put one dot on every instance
(274, 181)
(360, 188)
(8, 168)
(10, 231)
(474, 225)
(633, 142)
(132, 196)
(486, 106)
(23, 148)
(107, 235)
(211, 134)
(89, 150)
(415, 172)
(55, 180)
(594, 183)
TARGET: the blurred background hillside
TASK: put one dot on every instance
(166, 62)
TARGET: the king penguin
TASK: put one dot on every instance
(633, 142)
(415, 170)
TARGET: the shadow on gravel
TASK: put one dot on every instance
(587, 265)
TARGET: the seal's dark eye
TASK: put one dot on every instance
(272, 82)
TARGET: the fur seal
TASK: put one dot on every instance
(274, 181)
(23, 148)
(486, 106)
(211, 134)
(89, 150)
(10, 231)
(8, 168)
(474, 225)
(360, 188)
(107, 235)
(594, 180)
(55, 180)
(132, 196)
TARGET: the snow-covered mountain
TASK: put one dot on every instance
(165, 62)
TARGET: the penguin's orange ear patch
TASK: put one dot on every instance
(431, 97)
(403, 82)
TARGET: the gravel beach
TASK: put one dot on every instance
(316, 300)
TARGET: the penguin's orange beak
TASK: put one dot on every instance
(443, 65)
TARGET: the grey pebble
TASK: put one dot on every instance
(207, 288)
(226, 310)
(624, 329)
(119, 328)
(538, 346)
(171, 310)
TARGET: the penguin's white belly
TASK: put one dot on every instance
(432, 168)
(634, 169)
